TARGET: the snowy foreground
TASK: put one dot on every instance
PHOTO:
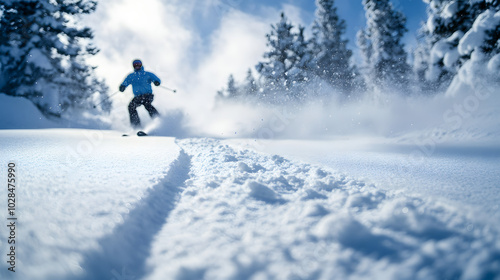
(94, 205)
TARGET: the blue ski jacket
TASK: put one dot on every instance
(141, 82)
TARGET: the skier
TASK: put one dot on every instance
(143, 93)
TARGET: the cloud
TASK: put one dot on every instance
(233, 48)
(236, 46)
(294, 14)
(147, 29)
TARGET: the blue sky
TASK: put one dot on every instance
(350, 10)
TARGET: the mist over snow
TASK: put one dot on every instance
(468, 117)
(166, 36)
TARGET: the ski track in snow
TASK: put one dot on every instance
(129, 244)
(245, 215)
(222, 211)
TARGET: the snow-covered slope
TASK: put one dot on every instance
(95, 205)
(463, 174)
(75, 187)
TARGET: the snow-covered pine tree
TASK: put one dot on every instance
(276, 72)
(421, 64)
(251, 87)
(42, 54)
(332, 58)
(365, 47)
(447, 21)
(446, 35)
(301, 72)
(492, 43)
(381, 46)
(232, 89)
(220, 95)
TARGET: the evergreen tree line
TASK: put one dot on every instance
(42, 55)
(296, 68)
(43, 49)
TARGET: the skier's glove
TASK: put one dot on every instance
(122, 88)
(156, 83)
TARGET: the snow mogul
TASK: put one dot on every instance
(143, 93)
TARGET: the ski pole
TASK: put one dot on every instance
(172, 90)
(106, 99)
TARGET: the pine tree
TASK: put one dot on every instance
(448, 22)
(439, 28)
(365, 47)
(43, 51)
(332, 57)
(492, 42)
(280, 59)
(421, 64)
(220, 95)
(301, 73)
(251, 87)
(232, 89)
(380, 42)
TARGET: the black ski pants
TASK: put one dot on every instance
(146, 100)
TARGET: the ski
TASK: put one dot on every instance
(140, 133)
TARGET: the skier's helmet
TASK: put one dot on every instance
(137, 64)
